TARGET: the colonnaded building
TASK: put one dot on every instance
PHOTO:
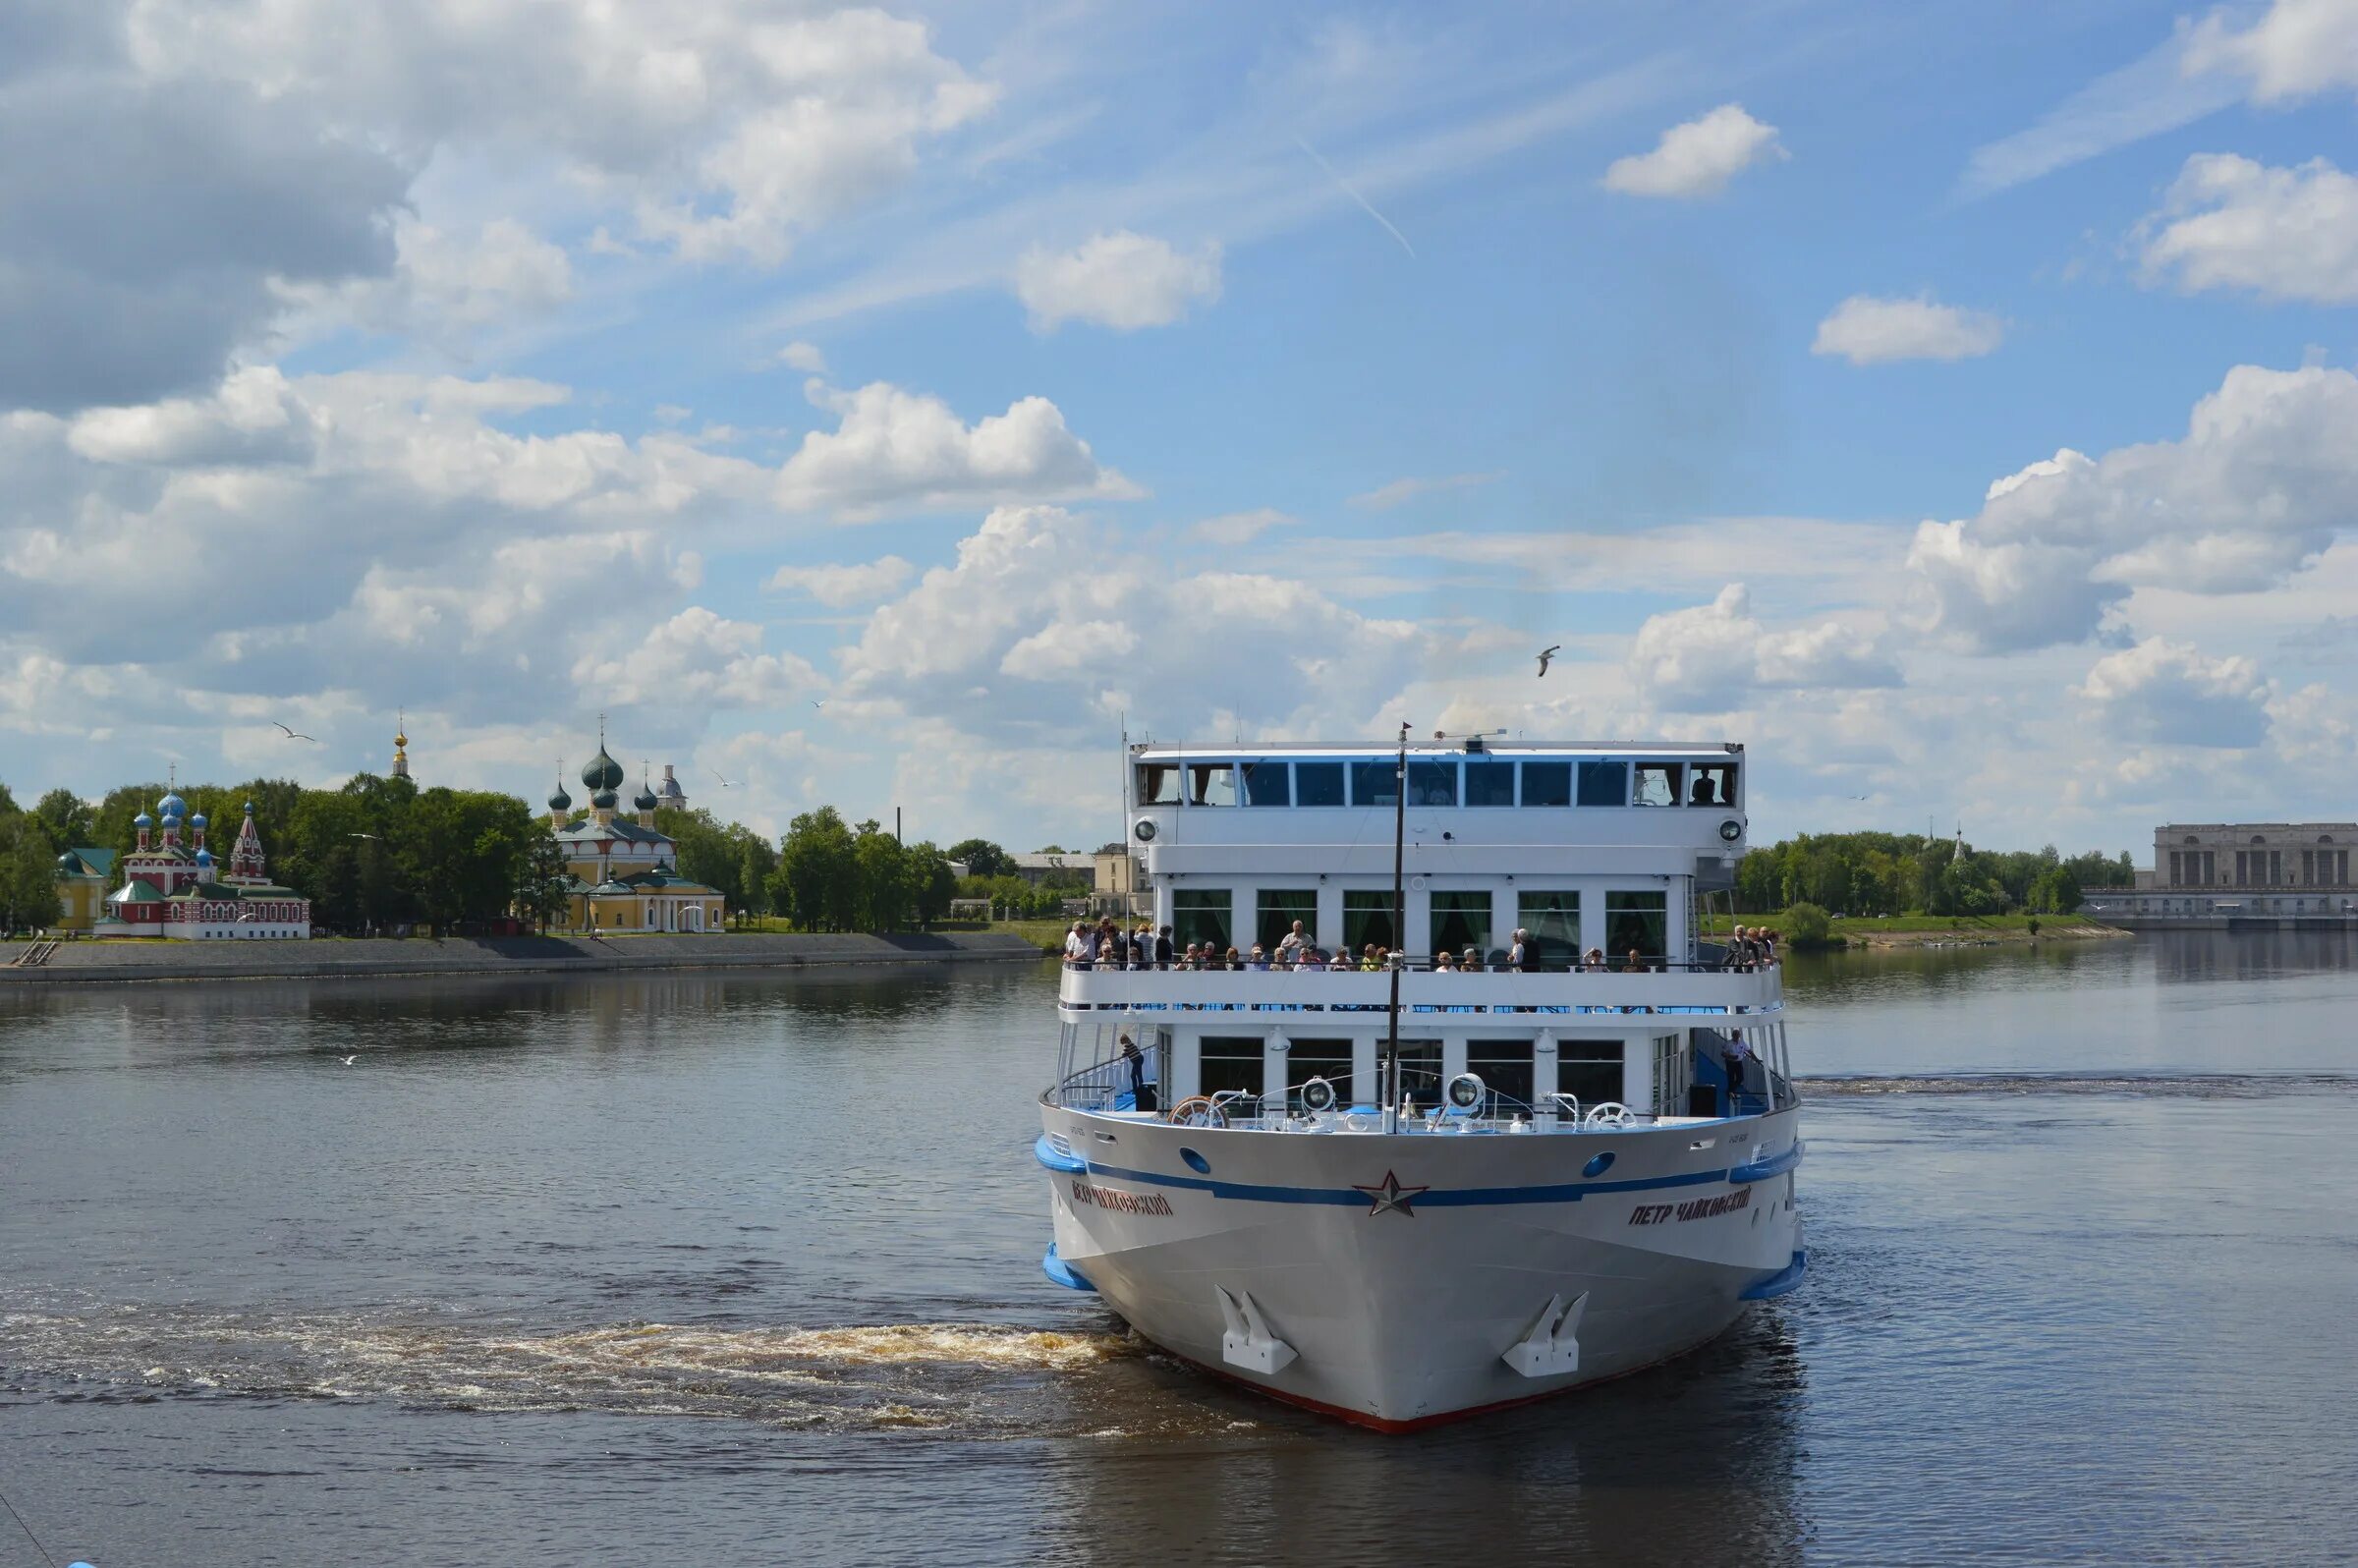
(624, 874)
(2225, 875)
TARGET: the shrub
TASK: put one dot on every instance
(1806, 925)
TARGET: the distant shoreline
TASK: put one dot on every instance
(1963, 930)
(90, 962)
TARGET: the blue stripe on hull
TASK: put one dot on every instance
(1459, 1197)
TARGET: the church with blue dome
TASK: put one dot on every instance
(173, 886)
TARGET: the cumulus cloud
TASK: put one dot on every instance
(897, 448)
(2171, 694)
(1699, 158)
(2264, 476)
(2230, 223)
(1866, 330)
(2297, 49)
(862, 583)
(803, 356)
(446, 284)
(1120, 280)
(701, 658)
(1710, 658)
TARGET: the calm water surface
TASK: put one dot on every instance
(731, 1269)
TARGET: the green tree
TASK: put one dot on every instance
(29, 898)
(1806, 925)
(67, 818)
(926, 872)
(816, 885)
(882, 879)
(547, 892)
(982, 858)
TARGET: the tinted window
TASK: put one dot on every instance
(1504, 1067)
(1711, 784)
(1489, 783)
(1263, 783)
(1548, 784)
(1375, 783)
(1318, 783)
(1605, 783)
(1229, 1062)
(1433, 783)
(1658, 784)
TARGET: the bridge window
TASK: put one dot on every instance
(1636, 920)
(1605, 783)
(1552, 919)
(1375, 783)
(1318, 783)
(1226, 1062)
(1588, 1070)
(1658, 784)
(1420, 1072)
(1157, 784)
(1279, 908)
(1505, 1065)
(1329, 1059)
(1210, 784)
(1461, 919)
(1368, 918)
(1711, 784)
(1489, 783)
(1548, 784)
(1201, 915)
(1433, 783)
(1265, 783)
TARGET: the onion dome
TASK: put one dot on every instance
(250, 807)
(172, 805)
(205, 859)
(69, 862)
(560, 800)
(198, 820)
(644, 799)
(142, 820)
(604, 800)
(602, 773)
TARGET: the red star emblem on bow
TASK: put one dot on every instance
(1388, 1196)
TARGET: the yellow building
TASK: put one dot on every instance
(82, 883)
(625, 874)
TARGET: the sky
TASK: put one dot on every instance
(1955, 403)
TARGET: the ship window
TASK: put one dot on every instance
(1318, 783)
(1552, 919)
(1329, 1059)
(1433, 783)
(1366, 917)
(1210, 784)
(1201, 915)
(1505, 1065)
(1669, 1076)
(1226, 1062)
(1489, 783)
(1547, 783)
(1589, 1070)
(1636, 920)
(1375, 783)
(1279, 908)
(1157, 784)
(1421, 1071)
(1265, 783)
(1711, 784)
(1461, 921)
(1605, 783)
(1658, 784)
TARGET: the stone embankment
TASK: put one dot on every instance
(119, 962)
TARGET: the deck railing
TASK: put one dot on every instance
(1668, 989)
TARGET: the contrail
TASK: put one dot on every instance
(1365, 205)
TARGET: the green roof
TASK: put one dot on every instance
(136, 892)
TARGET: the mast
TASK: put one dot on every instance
(1391, 1035)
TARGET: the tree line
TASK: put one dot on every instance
(1901, 873)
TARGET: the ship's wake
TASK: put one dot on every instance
(968, 1377)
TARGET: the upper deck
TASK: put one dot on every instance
(1488, 809)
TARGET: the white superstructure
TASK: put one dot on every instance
(1547, 1181)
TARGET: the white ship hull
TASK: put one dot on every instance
(1398, 1281)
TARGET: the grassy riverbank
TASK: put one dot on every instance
(1944, 930)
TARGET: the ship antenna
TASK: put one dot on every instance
(1392, 1036)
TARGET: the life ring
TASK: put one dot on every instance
(1199, 1110)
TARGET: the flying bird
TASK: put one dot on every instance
(1548, 657)
(725, 783)
(294, 736)
(349, 1061)
(816, 702)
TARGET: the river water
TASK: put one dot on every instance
(727, 1268)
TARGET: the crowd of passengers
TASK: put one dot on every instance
(1107, 945)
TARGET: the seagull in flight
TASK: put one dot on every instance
(349, 1061)
(1547, 655)
(816, 702)
(725, 783)
(293, 735)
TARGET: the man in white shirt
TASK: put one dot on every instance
(1291, 944)
(1076, 944)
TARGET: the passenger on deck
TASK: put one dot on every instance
(1291, 944)
(1520, 956)
(1633, 965)
(1767, 938)
(1163, 949)
(1076, 946)
(1368, 963)
(1443, 964)
(1594, 960)
(1259, 958)
(1141, 1077)
(1142, 946)
(1470, 960)
(1733, 1057)
(1193, 958)
(1231, 961)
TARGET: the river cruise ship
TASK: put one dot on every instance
(1487, 1119)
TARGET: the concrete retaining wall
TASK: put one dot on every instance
(119, 962)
